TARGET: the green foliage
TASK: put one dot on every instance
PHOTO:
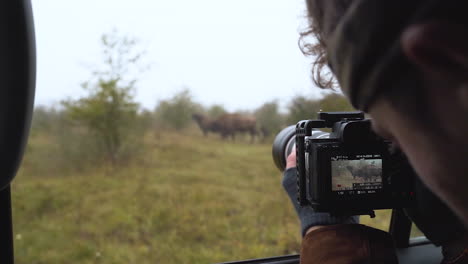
(335, 103)
(216, 111)
(44, 118)
(62, 146)
(145, 120)
(108, 113)
(176, 112)
(302, 108)
(57, 147)
(269, 118)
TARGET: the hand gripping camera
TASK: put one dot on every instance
(350, 171)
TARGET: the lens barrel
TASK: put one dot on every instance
(283, 145)
(285, 142)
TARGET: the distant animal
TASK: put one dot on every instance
(366, 172)
(205, 123)
(228, 125)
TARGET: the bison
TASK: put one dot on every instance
(205, 123)
(366, 173)
(228, 125)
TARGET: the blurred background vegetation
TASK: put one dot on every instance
(106, 181)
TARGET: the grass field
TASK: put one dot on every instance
(189, 199)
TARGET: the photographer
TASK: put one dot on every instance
(405, 63)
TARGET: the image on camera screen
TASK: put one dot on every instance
(361, 174)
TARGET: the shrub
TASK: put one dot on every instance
(176, 112)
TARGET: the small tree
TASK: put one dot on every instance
(108, 111)
(176, 112)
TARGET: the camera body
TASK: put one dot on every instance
(350, 171)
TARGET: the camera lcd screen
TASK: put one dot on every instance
(359, 173)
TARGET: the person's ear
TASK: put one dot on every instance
(439, 48)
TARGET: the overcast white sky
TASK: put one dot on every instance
(236, 53)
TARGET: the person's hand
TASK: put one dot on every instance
(310, 220)
(291, 160)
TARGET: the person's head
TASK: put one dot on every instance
(409, 71)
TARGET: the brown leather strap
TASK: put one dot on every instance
(347, 244)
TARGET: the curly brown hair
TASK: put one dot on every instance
(322, 16)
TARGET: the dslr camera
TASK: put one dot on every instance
(348, 171)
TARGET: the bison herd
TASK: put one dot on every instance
(367, 173)
(228, 125)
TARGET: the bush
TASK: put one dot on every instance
(302, 108)
(108, 113)
(335, 102)
(216, 111)
(55, 147)
(176, 112)
(269, 120)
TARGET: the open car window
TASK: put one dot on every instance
(152, 132)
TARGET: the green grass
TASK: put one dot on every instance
(189, 199)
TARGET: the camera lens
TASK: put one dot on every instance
(284, 144)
